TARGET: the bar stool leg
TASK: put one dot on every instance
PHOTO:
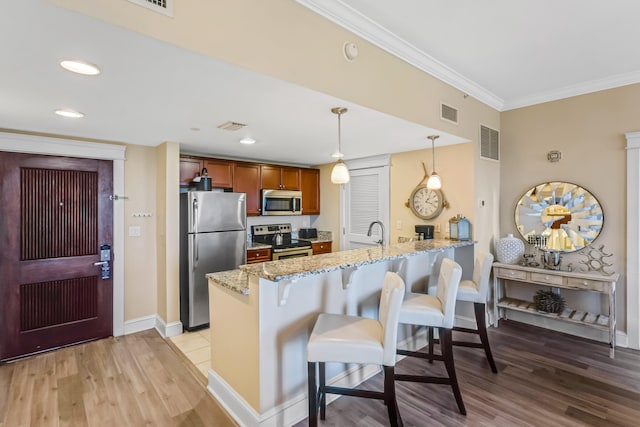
(482, 331)
(390, 397)
(323, 394)
(446, 347)
(431, 342)
(313, 392)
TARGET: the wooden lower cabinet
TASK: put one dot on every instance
(258, 255)
(321, 247)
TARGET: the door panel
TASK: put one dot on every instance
(365, 199)
(55, 213)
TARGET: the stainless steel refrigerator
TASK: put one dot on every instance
(213, 237)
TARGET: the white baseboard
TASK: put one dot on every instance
(139, 324)
(168, 329)
(288, 413)
(150, 322)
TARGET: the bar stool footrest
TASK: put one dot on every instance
(423, 379)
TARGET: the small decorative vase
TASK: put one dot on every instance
(509, 250)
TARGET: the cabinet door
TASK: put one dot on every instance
(290, 178)
(221, 173)
(270, 177)
(247, 180)
(189, 169)
(310, 185)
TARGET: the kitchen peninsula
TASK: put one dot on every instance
(262, 314)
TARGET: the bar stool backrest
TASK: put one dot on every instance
(389, 314)
(481, 273)
(448, 282)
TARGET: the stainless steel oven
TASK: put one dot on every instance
(277, 254)
(278, 236)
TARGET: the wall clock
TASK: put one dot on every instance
(426, 203)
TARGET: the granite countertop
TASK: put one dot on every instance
(254, 245)
(295, 268)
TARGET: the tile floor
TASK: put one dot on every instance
(196, 346)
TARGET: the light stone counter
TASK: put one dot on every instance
(261, 316)
(296, 268)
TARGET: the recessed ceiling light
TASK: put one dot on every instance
(70, 113)
(247, 141)
(80, 67)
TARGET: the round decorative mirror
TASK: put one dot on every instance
(559, 216)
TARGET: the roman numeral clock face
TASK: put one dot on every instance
(426, 203)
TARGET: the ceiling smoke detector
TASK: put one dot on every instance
(231, 125)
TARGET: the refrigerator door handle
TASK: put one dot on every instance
(195, 251)
(194, 211)
(195, 235)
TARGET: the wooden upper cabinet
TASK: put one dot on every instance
(189, 169)
(280, 177)
(310, 185)
(221, 172)
(247, 180)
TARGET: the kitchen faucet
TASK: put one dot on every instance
(381, 241)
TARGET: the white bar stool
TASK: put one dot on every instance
(436, 311)
(352, 339)
(475, 291)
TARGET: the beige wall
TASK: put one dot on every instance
(454, 164)
(589, 130)
(168, 213)
(287, 41)
(140, 252)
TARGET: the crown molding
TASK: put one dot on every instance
(575, 90)
(357, 23)
(353, 21)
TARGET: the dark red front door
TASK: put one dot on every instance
(55, 214)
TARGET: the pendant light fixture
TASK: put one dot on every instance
(340, 172)
(434, 182)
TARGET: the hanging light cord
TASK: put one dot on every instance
(433, 153)
(339, 136)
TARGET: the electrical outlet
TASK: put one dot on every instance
(399, 224)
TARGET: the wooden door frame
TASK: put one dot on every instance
(21, 143)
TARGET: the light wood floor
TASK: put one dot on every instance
(544, 379)
(135, 380)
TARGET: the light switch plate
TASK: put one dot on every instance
(134, 231)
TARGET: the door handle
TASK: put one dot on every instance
(101, 263)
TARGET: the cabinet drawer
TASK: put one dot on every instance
(549, 279)
(321, 247)
(511, 274)
(591, 285)
(258, 255)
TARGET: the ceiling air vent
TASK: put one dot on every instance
(449, 113)
(161, 6)
(231, 126)
(489, 143)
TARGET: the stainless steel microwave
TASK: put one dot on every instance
(281, 202)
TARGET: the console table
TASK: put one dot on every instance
(591, 282)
